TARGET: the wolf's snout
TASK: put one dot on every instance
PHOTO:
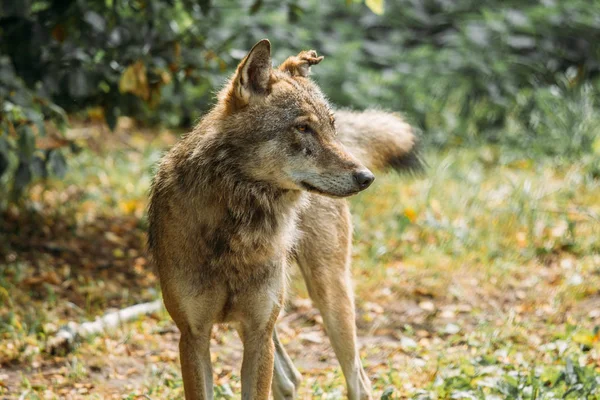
(364, 178)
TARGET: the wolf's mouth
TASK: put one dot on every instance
(312, 188)
(315, 189)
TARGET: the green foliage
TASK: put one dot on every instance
(25, 116)
(114, 54)
(571, 381)
(558, 120)
(523, 74)
(464, 71)
(66, 56)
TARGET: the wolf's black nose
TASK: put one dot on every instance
(364, 178)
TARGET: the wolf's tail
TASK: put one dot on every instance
(381, 140)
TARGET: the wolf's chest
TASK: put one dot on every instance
(246, 246)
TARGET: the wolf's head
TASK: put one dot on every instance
(283, 129)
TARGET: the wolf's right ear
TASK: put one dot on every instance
(253, 75)
(300, 65)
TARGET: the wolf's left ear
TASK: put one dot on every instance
(253, 75)
(300, 65)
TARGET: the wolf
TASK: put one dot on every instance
(258, 185)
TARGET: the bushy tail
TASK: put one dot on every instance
(379, 139)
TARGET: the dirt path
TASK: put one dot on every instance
(139, 354)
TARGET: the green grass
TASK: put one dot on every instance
(478, 281)
(516, 245)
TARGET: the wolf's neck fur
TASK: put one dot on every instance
(247, 221)
(218, 170)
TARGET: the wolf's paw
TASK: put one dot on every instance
(285, 388)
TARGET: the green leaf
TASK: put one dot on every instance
(294, 12)
(387, 394)
(59, 116)
(38, 167)
(570, 375)
(57, 164)
(375, 5)
(78, 84)
(4, 161)
(204, 6)
(596, 145)
(110, 115)
(26, 142)
(22, 177)
(256, 6)
(95, 20)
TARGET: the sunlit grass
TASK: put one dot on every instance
(514, 244)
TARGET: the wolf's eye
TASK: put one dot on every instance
(304, 128)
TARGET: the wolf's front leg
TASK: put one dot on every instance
(257, 367)
(258, 315)
(194, 315)
(194, 351)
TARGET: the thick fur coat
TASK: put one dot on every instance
(257, 185)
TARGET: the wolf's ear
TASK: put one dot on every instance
(300, 65)
(253, 75)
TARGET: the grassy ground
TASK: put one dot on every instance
(479, 281)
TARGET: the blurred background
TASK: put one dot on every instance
(479, 280)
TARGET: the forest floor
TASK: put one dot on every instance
(479, 280)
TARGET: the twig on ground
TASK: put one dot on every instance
(68, 335)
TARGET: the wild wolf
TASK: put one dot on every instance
(257, 186)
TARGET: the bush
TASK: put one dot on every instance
(461, 70)
(464, 71)
(26, 118)
(118, 56)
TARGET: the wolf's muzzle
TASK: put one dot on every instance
(364, 178)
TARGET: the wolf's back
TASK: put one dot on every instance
(379, 139)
